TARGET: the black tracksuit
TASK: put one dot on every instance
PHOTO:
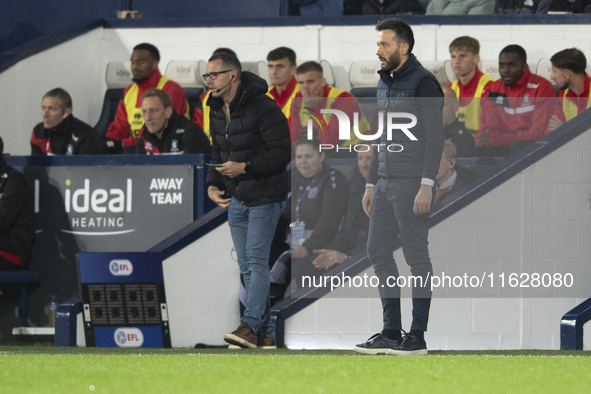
(180, 136)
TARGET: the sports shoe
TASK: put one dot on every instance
(376, 344)
(262, 343)
(410, 345)
(266, 343)
(243, 337)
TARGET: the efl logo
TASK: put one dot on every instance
(345, 129)
(128, 337)
(121, 267)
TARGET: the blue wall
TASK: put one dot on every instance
(23, 21)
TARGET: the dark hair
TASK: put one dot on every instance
(570, 59)
(228, 60)
(150, 48)
(282, 53)
(225, 50)
(161, 94)
(517, 49)
(465, 43)
(403, 32)
(314, 142)
(309, 66)
(1, 147)
(63, 97)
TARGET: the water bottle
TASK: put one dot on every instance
(52, 311)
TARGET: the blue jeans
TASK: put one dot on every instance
(392, 215)
(252, 230)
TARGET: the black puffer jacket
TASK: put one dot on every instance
(257, 133)
(17, 214)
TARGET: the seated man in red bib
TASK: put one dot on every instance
(568, 71)
(282, 68)
(315, 95)
(124, 130)
(465, 55)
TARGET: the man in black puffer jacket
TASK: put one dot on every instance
(17, 218)
(251, 148)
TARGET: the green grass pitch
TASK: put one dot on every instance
(45, 369)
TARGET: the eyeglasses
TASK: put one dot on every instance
(214, 75)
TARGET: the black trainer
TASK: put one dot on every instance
(410, 345)
(376, 344)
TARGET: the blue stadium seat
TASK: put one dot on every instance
(367, 102)
(112, 97)
(20, 281)
(193, 95)
(118, 77)
(364, 92)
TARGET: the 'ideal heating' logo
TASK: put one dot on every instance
(121, 267)
(392, 123)
(98, 200)
(97, 211)
(128, 337)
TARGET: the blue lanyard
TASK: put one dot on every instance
(303, 188)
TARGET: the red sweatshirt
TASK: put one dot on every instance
(120, 128)
(517, 112)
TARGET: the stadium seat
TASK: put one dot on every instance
(544, 69)
(259, 68)
(20, 281)
(202, 69)
(110, 103)
(118, 78)
(364, 78)
(490, 68)
(437, 69)
(193, 98)
(449, 73)
(328, 73)
(364, 92)
(118, 75)
(364, 74)
(185, 73)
